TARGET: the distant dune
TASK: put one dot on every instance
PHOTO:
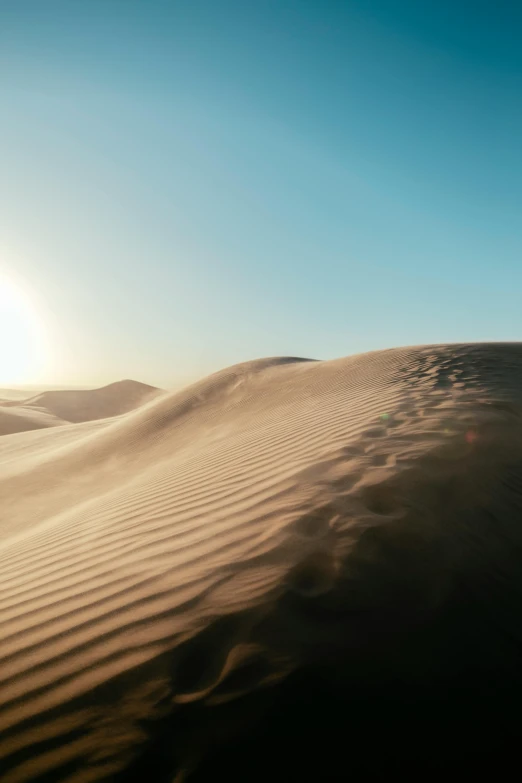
(48, 408)
(292, 570)
(18, 418)
(12, 395)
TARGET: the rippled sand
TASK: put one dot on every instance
(292, 570)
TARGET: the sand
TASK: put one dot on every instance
(19, 418)
(291, 570)
(20, 412)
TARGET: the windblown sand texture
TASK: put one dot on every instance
(291, 570)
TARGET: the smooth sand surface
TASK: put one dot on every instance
(20, 412)
(11, 395)
(292, 570)
(19, 418)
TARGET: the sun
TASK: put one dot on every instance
(23, 349)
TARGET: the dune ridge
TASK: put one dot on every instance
(283, 527)
(56, 407)
(21, 419)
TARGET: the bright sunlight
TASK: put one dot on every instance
(23, 350)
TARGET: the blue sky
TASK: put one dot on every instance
(186, 185)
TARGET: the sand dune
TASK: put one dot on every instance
(50, 408)
(18, 418)
(13, 395)
(292, 570)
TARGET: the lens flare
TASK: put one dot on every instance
(23, 344)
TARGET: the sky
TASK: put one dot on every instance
(187, 185)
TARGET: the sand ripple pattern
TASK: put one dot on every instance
(204, 546)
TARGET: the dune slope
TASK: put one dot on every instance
(52, 408)
(18, 418)
(86, 404)
(262, 576)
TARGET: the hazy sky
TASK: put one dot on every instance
(185, 185)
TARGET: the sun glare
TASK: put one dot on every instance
(23, 349)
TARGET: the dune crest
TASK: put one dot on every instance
(52, 408)
(250, 577)
(18, 418)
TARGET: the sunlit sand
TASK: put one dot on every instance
(291, 570)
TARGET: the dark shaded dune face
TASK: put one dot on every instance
(410, 647)
(310, 571)
(403, 639)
